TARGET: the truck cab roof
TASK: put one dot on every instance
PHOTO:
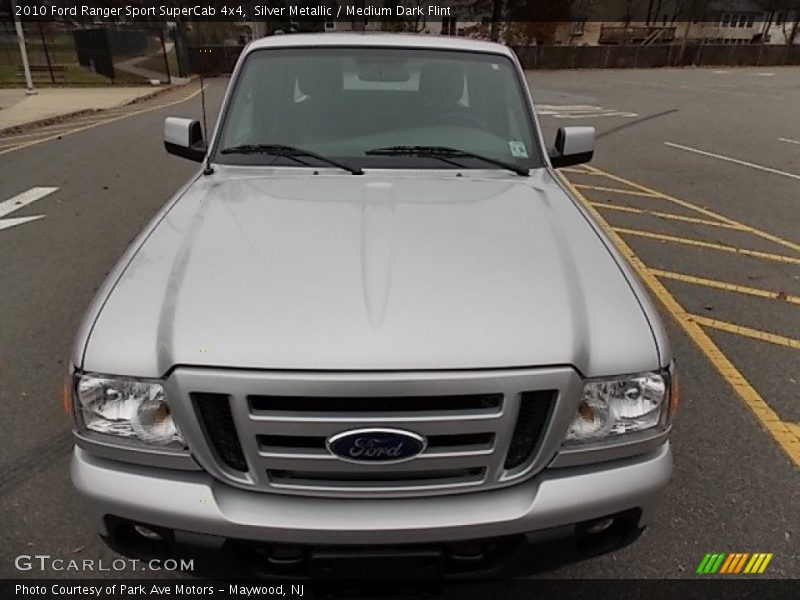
(383, 40)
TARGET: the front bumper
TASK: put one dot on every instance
(195, 502)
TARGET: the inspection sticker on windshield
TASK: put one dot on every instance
(518, 149)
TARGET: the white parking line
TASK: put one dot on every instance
(789, 141)
(580, 111)
(8, 223)
(733, 160)
(20, 201)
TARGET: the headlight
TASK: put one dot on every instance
(614, 407)
(126, 408)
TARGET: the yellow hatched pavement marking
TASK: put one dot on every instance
(704, 211)
(703, 244)
(600, 188)
(728, 287)
(786, 437)
(670, 216)
(576, 171)
(749, 332)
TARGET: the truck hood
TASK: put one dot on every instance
(283, 270)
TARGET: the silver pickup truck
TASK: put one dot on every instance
(374, 321)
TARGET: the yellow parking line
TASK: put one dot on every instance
(577, 171)
(788, 439)
(670, 216)
(709, 213)
(97, 124)
(749, 332)
(702, 244)
(728, 287)
(620, 207)
(600, 188)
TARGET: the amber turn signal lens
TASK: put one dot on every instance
(674, 394)
(66, 399)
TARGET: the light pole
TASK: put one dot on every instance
(22, 50)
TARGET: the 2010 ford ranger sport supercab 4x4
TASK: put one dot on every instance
(376, 318)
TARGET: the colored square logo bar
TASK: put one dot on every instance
(734, 563)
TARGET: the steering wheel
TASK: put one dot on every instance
(462, 118)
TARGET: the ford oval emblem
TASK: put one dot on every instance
(376, 445)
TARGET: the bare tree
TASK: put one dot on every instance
(630, 10)
(653, 8)
(536, 20)
(791, 28)
(688, 11)
(497, 17)
(790, 18)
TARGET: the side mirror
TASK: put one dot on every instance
(574, 145)
(184, 137)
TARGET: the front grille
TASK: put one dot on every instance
(217, 422)
(534, 410)
(269, 431)
(309, 465)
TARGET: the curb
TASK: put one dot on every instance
(48, 121)
(23, 127)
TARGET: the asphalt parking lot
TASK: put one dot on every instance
(696, 176)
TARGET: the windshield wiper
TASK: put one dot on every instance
(289, 152)
(444, 153)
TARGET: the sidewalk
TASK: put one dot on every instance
(16, 108)
(131, 65)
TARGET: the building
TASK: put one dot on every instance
(668, 21)
(592, 22)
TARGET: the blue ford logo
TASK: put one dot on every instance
(376, 445)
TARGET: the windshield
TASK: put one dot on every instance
(346, 103)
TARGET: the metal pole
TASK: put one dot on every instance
(166, 61)
(203, 104)
(22, 50)
(46, 53)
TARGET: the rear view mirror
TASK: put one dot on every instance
(184, 137)
(574, 145)
(383, 70)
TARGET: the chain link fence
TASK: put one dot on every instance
(673, 55)
(210, 60)
(63, 55)
(60, 54)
